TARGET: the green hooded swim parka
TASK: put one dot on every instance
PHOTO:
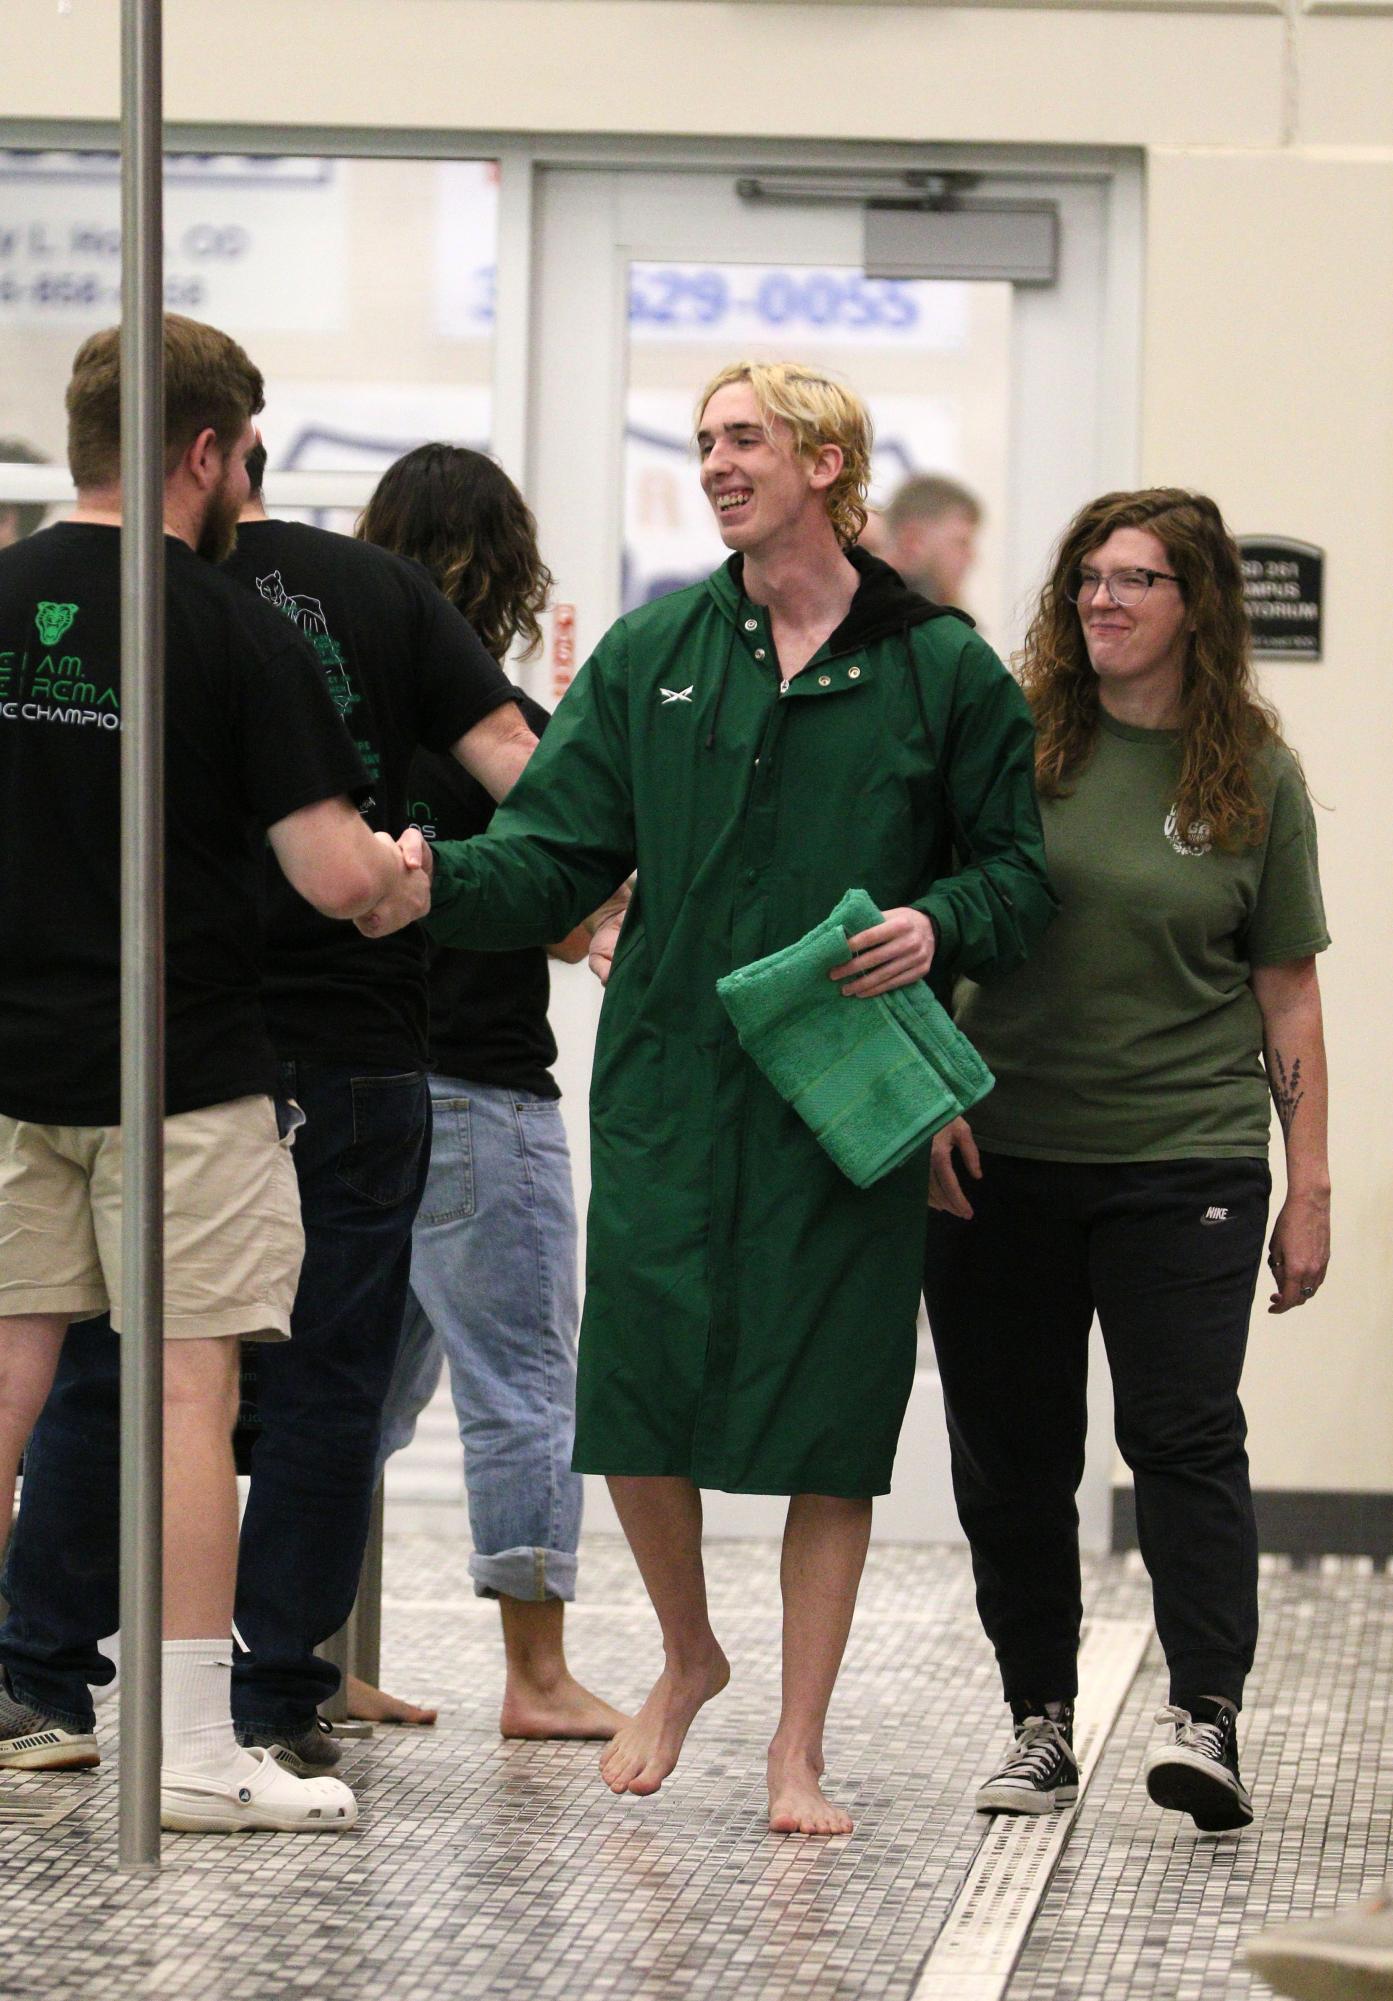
(750, 1314)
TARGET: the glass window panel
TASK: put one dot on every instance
(363, 289)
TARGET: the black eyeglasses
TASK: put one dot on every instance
(1124, 587)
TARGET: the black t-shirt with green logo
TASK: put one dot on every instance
(488, 1010)
(405, 670)
(251, 736)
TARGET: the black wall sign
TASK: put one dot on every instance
(1284, 590)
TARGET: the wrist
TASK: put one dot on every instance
(1312, 1188)
(939, 922)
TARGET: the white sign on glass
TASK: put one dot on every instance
(259, 244)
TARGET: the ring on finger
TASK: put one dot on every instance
(1308, 1292)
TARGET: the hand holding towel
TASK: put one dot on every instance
(874, 1080)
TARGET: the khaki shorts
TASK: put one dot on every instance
(233, 1241)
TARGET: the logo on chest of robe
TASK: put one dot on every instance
(671, 695)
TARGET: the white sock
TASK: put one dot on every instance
(196, 1709)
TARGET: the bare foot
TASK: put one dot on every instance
(367, 1704)
(646, 1750)
(563, 1710)
(797, 1803)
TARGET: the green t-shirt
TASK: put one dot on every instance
(1132, 1032)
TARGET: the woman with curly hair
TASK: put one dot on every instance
(1120, 1165)
(493, 1265)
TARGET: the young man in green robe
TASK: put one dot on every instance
(797, 725)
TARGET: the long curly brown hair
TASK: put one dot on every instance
(458, 513)
(1224, 722)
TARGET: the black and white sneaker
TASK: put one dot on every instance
(1041, 1773)
(309, 1752)
(1196, 1770)
(33, 1742)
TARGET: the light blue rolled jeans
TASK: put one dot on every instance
(494, 1295)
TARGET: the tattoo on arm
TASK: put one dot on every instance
(1287, 1091)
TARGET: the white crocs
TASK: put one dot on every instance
(259, 1794)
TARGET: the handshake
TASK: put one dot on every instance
(408, 896)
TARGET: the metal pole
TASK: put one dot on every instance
(142, 927)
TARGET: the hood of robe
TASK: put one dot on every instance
(884, 603)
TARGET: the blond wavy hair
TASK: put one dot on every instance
(819, 411)
(1224, 722)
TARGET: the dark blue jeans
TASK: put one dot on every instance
(61, 1574)
(361, 1159)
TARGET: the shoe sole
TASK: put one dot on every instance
(181, 1820)
(1182, 1783)
(1304, 1975)
(1014, 1799)
(40, 1752)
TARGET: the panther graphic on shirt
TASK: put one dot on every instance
(308, 614)
(53, 620)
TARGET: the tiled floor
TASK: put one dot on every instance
(483, 1869)
(1142, 1904)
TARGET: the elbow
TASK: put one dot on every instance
(515, 752)
(345, 891)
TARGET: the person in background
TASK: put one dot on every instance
(1120, 1164)
(874, 539)
(742, 1296)
(19, 518)
(493, 1264)
(348, 1022)
(929, 533)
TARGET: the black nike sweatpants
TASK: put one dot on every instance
(1167, 1253)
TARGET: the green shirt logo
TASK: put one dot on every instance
(53, 621)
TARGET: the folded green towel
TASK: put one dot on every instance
(873, 1079)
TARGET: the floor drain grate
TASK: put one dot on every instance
(981, 1939)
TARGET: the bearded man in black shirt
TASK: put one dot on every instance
(347, 1019)
(255, 752)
